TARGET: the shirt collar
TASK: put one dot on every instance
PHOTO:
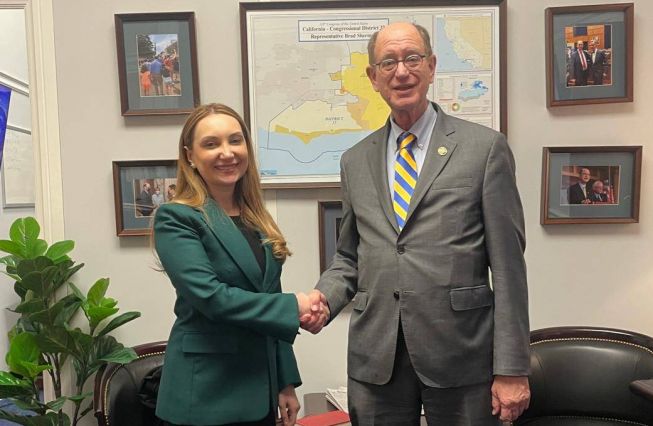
(419, 129)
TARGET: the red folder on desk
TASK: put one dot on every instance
(329, 418)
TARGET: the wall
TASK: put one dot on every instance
(564, 289)
(13, 63)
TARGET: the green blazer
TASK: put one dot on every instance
(229, 351)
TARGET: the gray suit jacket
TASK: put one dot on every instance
(465, 218)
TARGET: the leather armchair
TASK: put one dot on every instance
(116, 401)
(581, 377)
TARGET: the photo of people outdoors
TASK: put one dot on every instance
(589, 55)
(149, 194)
(158, 65)
(595, 185)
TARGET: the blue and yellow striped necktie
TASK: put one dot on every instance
(405, 177)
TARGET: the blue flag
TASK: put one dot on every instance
(5, 95)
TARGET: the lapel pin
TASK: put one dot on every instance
(442, 150)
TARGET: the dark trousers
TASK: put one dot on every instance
(269, 420)
(399, 402)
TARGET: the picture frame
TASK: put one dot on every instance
(329, 217)
(135, 186)
(604, 71)
(307, 97)
(590, 184)
(157, 63)
(18, 168)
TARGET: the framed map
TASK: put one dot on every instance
(307, 98)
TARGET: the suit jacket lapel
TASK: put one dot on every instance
(234, 243)
(378, 166)
(440, 149)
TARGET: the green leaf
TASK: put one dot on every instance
(98, 313)
(118, 321)
(103, 346)
(122, 356)
(34, 368)
(24, 355)
(24, 230)
(36, 248)
(97, 291)
(12, 386)
(68, 269)
(77, 292)
(60, 249)
(38, 264)
(12, 248)
(55, 339)
(20, 290)
(9, 261)
(108, 302)
(30, 306)
(83, 343)
(80, 397)
(34, 281)
(57, 404)
(71, 305)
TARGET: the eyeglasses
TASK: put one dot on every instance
(411, 62)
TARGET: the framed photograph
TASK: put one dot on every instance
(157, 63)
(307, 97)
(590, 184)
(140, 187)
(330, 215)
(589, 54)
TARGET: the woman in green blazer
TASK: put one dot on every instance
(229, 358)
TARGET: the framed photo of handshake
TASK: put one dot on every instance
(593, 184)
(589, 54)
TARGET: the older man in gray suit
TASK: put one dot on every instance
(430, 205)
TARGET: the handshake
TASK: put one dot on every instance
(313, 311)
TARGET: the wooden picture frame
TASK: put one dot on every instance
(157, 63)
(135, 185)
(329, 217)
(603, 73)
(590, 184)
(307, 97)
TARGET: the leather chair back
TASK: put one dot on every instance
(116, 401)
(581, 376)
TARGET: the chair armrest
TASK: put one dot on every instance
(643, 388)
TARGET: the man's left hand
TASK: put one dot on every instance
(510, 397)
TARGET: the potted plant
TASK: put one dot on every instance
(44, 339)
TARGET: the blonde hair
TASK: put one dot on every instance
(192, 190)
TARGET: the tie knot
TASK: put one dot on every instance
(406, 140)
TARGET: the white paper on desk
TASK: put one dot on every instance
(338, 397)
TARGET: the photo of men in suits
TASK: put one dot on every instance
(589, 185)
(580, 65)
(597, 195)
(579, 192)
(598, 61)
(588, 52)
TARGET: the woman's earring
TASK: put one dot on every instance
(192, 165)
